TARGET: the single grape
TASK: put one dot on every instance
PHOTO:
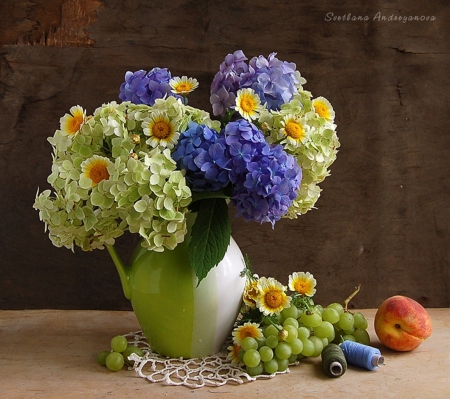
(324, 329)
(266, 353)
(296, 346)
(303, 332)
(272, 341)
(360, 321)
(349, 331)
(270, 330)
(257, 370)
(291, 312)
(292, 359)
(283, 350)
(114, 361)
(325, 342)
(290, 321)
(251, 358)
(292, 333)
(283, 364)
(362, 336)
(249, 343)
(349, 338)
(311, 319)
(131, 349)
(241, 355)
(308, 347)
(331, 315)
(271, 367)
(346, 321)
(318, 309)
(318, 345)
(101, 358)
(332, 336)
(119, 343)
(336, 306)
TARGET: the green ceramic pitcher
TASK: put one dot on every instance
(178, 318)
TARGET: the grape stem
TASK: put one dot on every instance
(350, 297)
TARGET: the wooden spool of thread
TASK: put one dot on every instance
(334, 363)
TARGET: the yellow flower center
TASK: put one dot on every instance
(183, 87)
(248, 104)
(294, 130)
(74, 123)
(98, 172)
(161, 130)
(274, 299)
(302, 287)
(248, 331)
(321, 109)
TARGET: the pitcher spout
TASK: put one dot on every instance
(122, 269)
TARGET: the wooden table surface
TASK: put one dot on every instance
(52, 354)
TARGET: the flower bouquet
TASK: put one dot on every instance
(142, 165)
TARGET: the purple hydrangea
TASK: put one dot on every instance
(203, 154)
(274, 81)
(141, 87)
(265, 178)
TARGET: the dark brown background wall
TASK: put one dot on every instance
(383, 218)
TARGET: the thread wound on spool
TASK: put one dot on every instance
(333, 361)
(362, 355)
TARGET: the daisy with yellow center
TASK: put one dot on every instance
(183, 85)
(233, 355)
(294, 130)
(248, 104)
(71, 123)
(247, 330)
(323, 108)
(272, 298)
(302, 283)
(95, 169)
(161, 130)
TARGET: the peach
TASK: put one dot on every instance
(402, 324)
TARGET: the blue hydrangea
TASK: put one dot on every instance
(265, 178)
(141, 87)
(203, 153)
(274, 81)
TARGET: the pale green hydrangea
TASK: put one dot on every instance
(309, 134)
(107, 180)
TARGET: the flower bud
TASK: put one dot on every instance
(135, 138)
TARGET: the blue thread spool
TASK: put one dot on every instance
(362, 355)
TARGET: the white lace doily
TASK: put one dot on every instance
(214, 370)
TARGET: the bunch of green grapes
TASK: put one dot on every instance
(115, 359)
(299, 333)
(347, 325)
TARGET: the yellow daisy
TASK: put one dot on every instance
(323, 108)
(251, 293)
(183, 85)
(247, 330)
(248, 104)
(272, 298)
(233, 355)
(96, 169)
(302, 283)
(161, 130)
(71, 123)
(294, 129)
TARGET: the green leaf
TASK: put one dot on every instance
(210, 236)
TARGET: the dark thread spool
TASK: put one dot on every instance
(333, 361)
